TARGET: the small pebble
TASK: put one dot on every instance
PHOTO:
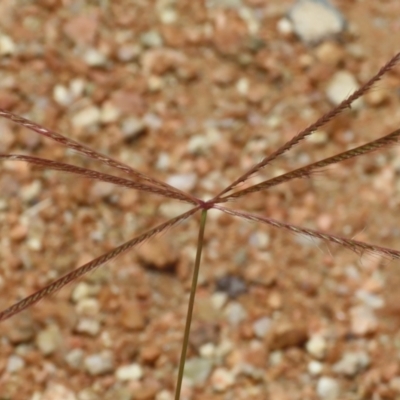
(207, 350)
(155, 83)
(341, 86)
(49, 339)
(328, 388)
(128, 52)
(315, 367)
(21, 330)
(7, 46)
(222, 379)
(164, 395)
(55, 391)
(75, 358)
(163, 161)
(369, 299)
(235, 313)
(109, 113)
(317, 346)
(94, 58)
(100, 363)
(352, 363)
(132, 127)
(77, 87)
(88, 326)
(363, 320)
(224, 348)
(218, 300)
(232, 285)
(129, 372)
(185, 182)
(101, 190)
(199, 144)
(151, 39)
(173, 209)
(284, 27)
(376, 97)
(242, 86)
(318, 137)
(81, 291)
(15, 363)
(168, 16)
(89, 307)
(394, 384)
(197, 370)
(275, 358)
(260, 240)
(86, 117)
(330, 53)
(315, 20)
(61, 95)
(262, 326)
(31, 191)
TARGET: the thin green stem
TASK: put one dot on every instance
(191, 304)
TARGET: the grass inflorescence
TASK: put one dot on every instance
(141, 182)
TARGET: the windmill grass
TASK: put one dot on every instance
(139, 181)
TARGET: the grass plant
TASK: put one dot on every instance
(139, 181)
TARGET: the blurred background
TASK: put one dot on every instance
(194, 93)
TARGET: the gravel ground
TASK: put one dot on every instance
(193, 92)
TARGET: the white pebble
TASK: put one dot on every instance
(262, 326)
(128, 52)
(242, 86)
(132, 127)
(219, 299)
(109, 113)
(94, 58)
(100, 363)
(173, 209)
(363, 320)
(15, 363)
(164, 395)
(315, 20)
(261, 240)
(7, 46)
(89, 307)
(207, 350)
(77, 87)
(317, 346)
(184, 182)
(328, 388)
(29, 192)
(318, 137)
(80, 291)
(163, 161)
(55, 391)
(88, 326)
(315, 367)
(284, 27)
(168, 16)
(151, 39)
(86, 117)
(351, 363)
(129, 372)
(49, 339)
(74, 358)
(369, 299)
(235, 313)
(61, 95)
(222, 379)
(341, 86)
